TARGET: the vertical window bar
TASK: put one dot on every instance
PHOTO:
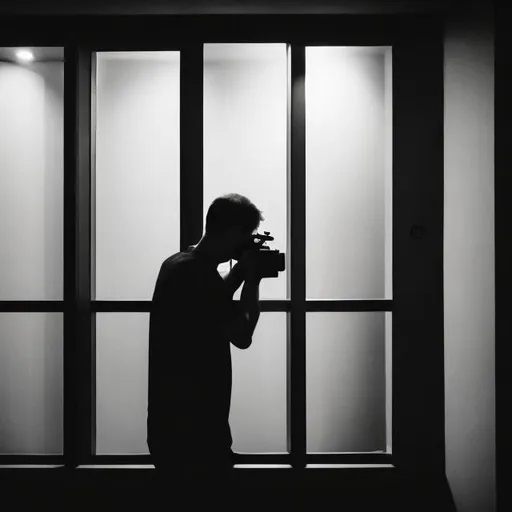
(503, 256)
(79, 365)
(90, 247)
(92, 252)
(70, 166)
(297, 244)
(191, 144)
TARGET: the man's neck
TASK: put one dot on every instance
(206, 250)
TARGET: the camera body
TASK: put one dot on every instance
(269, 262)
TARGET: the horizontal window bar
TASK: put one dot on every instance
(275, 305)
(349, 466)
(236, 466)
(349, 458)
(145, 306)
(263, 458)
(256, 458)
(114, 460)
(140, 46)
(263, 466)
(31, 306)
(105, 306)
(349, 305)
(165, 31)
(28, 460)
(240, 458)
(151, 466)
(118, 306)
(116, 466)
(32, 466)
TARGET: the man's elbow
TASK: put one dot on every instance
(242, 343)
(240, 332)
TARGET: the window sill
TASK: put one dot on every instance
(236, 466)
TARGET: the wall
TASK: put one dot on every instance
(469, 263)
(469, 220)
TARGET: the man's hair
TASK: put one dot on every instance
(230, 211)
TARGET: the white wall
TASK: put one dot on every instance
(469, 265)
(31, 180)
(245, 137)
(137, 182)
(31, 383)
(31, 265)
(348, 173)
(348, 211)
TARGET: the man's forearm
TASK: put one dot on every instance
(234, 279)
(249, 299)
(249, 302)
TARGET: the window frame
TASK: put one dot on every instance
(81, 37)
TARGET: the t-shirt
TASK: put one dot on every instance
(189, 390)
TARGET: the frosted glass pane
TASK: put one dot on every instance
(258, 401)
(121, 383)
(31, 179)
(258, 405)
(31, 383)
(348, 172)
(245, 140)
(137, 171)
(347, 368)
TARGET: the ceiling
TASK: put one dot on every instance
(63, 7)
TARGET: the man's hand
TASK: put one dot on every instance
(249, 265)
(249, 300)
(234, 278)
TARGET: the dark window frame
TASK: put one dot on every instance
(81, 37)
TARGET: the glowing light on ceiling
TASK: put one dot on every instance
(25, 55)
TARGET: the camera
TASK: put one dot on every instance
(269, 262)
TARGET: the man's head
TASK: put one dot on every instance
(230, 222)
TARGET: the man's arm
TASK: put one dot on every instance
(250, 309)
(247, 312)
(234, 279)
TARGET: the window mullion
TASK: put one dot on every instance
(78, 343)
(297, 246)
(191, 144)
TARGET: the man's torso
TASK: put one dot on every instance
(189, 359)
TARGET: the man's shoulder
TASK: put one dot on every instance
(177, 273)
(177, 259)
(180, 265)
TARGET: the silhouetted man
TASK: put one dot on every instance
(193, 320)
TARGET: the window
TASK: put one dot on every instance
(136, 192)
(348, 104)
(245, 143)
(31, 379)
(31, 251)
(245, 136)
(31, 163)
(333, 129)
